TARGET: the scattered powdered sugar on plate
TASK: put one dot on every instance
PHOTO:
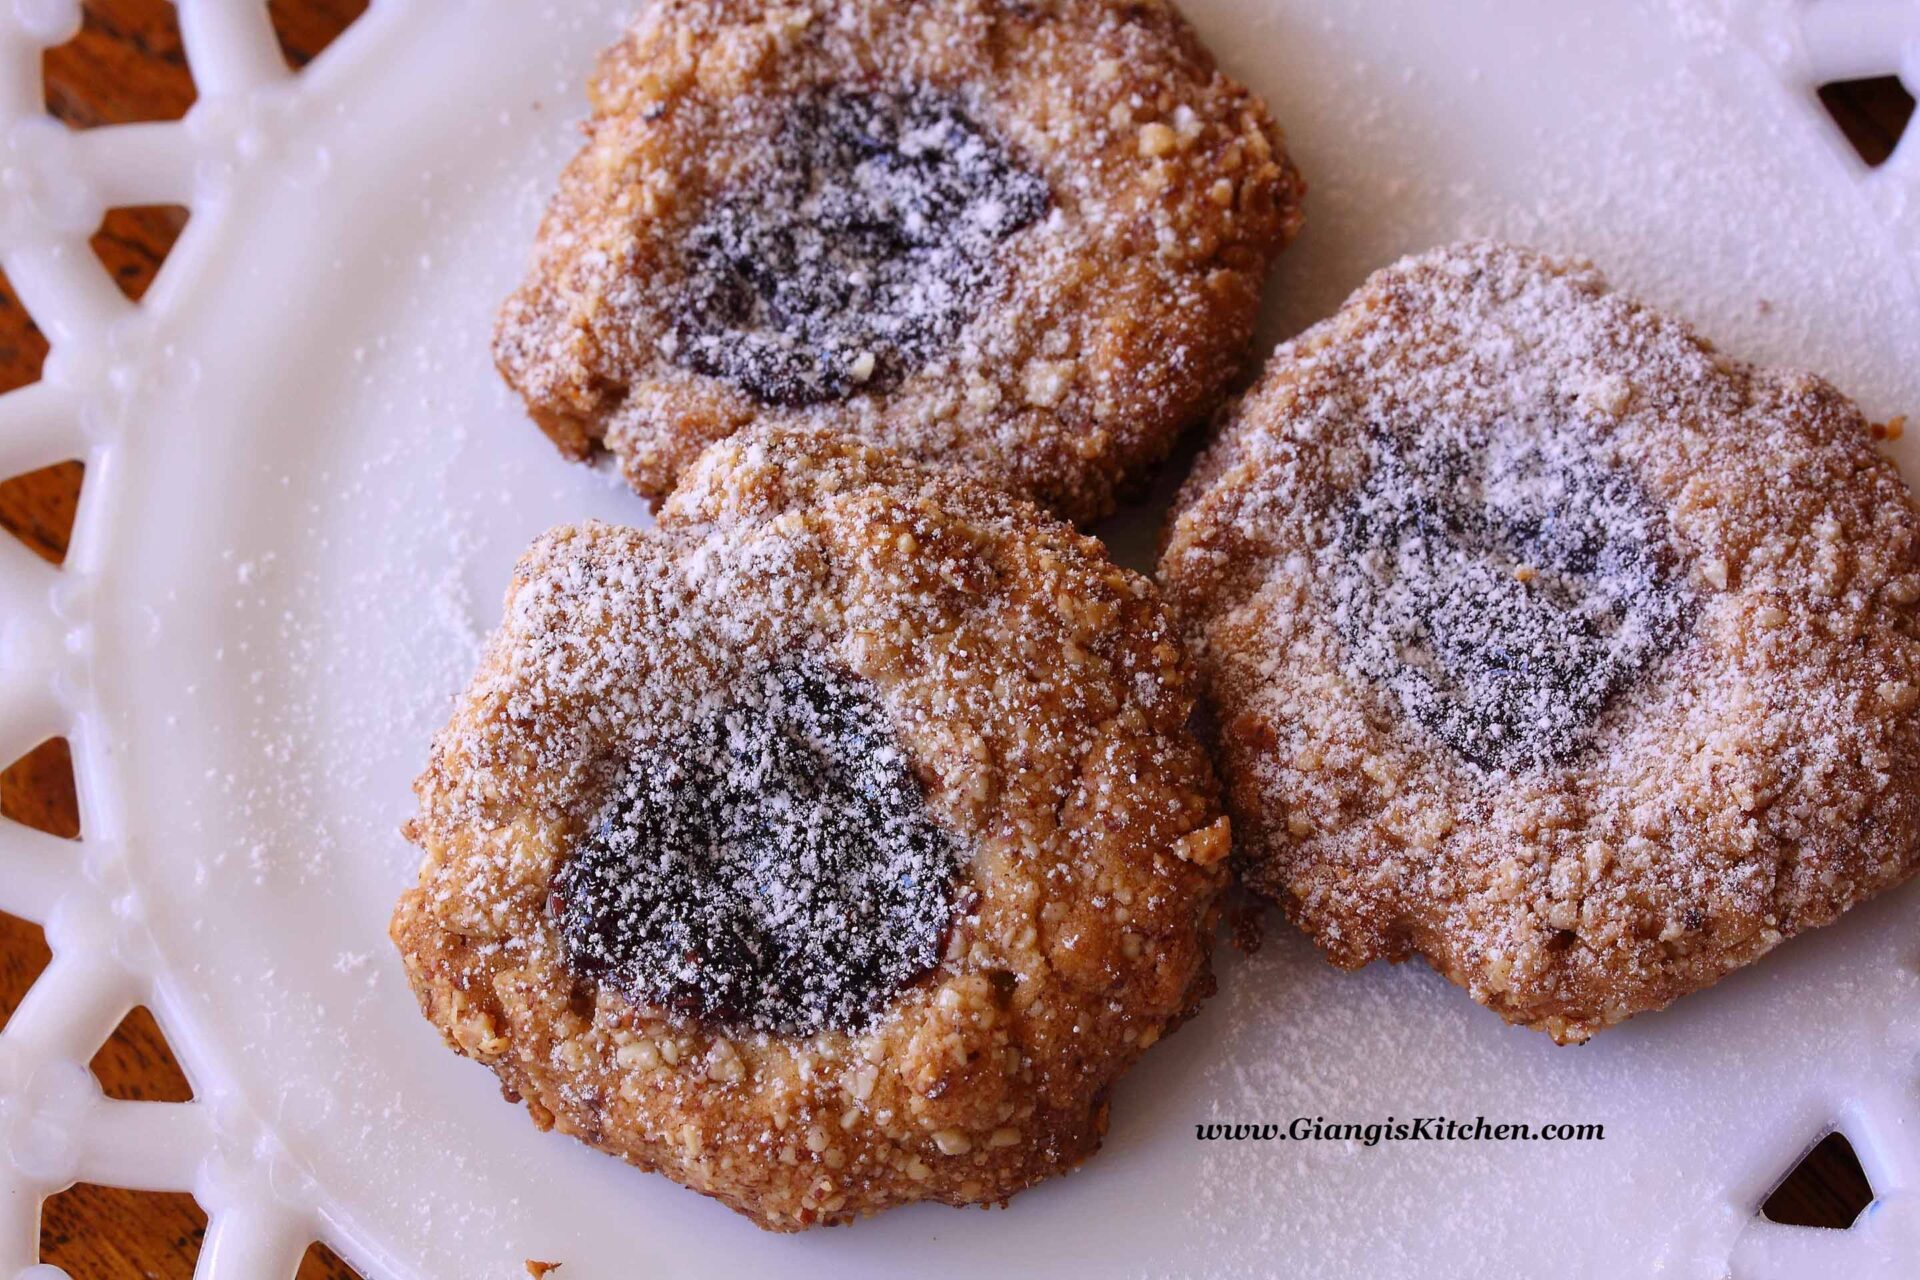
(397, 525)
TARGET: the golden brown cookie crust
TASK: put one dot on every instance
(1043, 700)
(1758, 781)
(1118, 319)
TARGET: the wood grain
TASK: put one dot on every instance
(125, 65)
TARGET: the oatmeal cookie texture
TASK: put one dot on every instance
(835, 844)
(1547, 643)
(1027, 240)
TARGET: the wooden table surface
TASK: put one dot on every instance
(126, 65)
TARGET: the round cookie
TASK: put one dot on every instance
(1026, 240)
(835, 844)
(1546, 643)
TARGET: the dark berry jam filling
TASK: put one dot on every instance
(857, 249)
(1503, 583)
(774, 867)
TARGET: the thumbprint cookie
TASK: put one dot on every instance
(1549, 644)
(1025, 240)
(834, 844)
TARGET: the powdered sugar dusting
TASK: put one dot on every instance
(1502, 581)
(773, 866)
(855, 247)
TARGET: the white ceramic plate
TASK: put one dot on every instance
(305, 488)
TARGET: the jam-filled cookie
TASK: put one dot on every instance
(1023, 239)
(835, 844)
(1547, 643)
